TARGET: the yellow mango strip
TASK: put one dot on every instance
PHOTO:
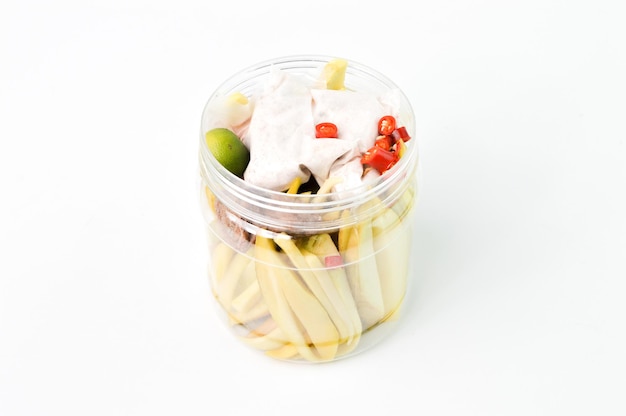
(228, 286)
(392, 245)
(334, 73)
(294, 185)
(400, 148)
(335, 282)
(344, 233)
(210, 198)
(266, 336)
(285, 352)
(249, 274)
(264, 328)
(350, 339)
(327, 187)
(313, 316)
(248, 298)
(271, 274)
(335, 299)
(404, 204)
(317, 283)
(256, 312)
(222, 254)
(247, 306)
(271, 341)
(363, 274)
(322, 246)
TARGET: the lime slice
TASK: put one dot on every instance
(228, 149)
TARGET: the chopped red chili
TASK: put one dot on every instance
(333, 261)
(380, 159)
(384, 142)
(386, 125)
(401, 134)
(399, 148)
(325, 131)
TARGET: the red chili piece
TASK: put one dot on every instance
(380, 159)
(386, 125)
(401, 134)
(325, 131)
(333, 261)
(384, 142)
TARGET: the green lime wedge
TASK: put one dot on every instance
(228, 149)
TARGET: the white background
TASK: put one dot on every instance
(517, 302)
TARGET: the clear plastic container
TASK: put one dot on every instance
(309, 277)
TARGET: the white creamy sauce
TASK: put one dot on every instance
(281, 132)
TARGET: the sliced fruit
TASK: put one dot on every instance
(392, 245)
(228, 149)
(272, 274)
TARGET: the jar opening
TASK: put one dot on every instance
(305, 212)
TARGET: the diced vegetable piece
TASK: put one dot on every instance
(386, 125)
(384, 142)
(333, 261)
(325, 131)
(380, 159)
(401, 133)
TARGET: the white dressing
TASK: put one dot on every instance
(281, 132)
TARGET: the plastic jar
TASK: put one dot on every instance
(309, 277)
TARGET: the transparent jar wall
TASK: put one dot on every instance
(315, 278)
(316, 297)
